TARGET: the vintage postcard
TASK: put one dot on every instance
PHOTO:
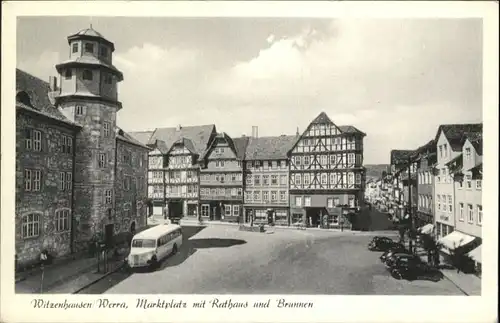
(232, 161)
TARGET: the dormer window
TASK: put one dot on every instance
(89, 48)
(74, 48)
(67, 74)
(87, 75)
(24, 98)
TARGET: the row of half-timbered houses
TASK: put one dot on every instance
(315, 178)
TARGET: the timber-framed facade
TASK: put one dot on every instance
(326, 174)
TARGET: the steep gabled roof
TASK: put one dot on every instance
(322, 118)
(198, 135)
(38, 92)
(400, 157)
(457, 133)
(351, 129)
(476, 139)
(141, 136)
(269, 148)
(122, 135)
(241, 144)
(428, 148)
(187, 143)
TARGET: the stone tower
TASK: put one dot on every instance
(88, 96)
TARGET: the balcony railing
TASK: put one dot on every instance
(221, 197)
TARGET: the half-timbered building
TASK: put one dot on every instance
(267, 179)
(326, 174)
(176, 159)
(221, 179)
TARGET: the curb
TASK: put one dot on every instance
(99, 279)
(455, 284)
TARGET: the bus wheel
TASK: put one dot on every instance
(174, 249)
(154, 264)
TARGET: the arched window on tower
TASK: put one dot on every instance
(67, 73)
(87, 75)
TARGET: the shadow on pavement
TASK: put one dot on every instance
(189, 247)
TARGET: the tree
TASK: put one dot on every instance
(432, 246)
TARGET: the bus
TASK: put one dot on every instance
(149, 247)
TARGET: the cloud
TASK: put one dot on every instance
(396, 80)
(41, 66)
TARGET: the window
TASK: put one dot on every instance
(441, 151)
(478, 184)
(329, 202)
(439, 202)
(103, 51)
(265, 180)
(265, 196)
(307, 179)
(283, 180)
(108, 79)
(87, 75)
(31, 225)
(307, 201)
(69, 180)
(221, 150)
(470, 217)
(297, 160)
(249, 180)
(33, 140)
(274, 196)
(62, 220)
(324, 179)
(324, 160)
(106, 129)
(298, 200)
(350, 159)
(257, 180)
(282, 196)
(450, 204)
(332, 160)
(336, 201)
(256, 195)
(102, 160)
(67, 144)
(32, 180)
(126, 183)
(274, 164)
(89, 48)
(74, 47)
(108, 195)
(445, 150)
(68, 74)
(468, 179)
(468, 154)
(306, 160)
(274, 179)
(227, 209)
(62, 181)
(297, 179)
(236, 210)
(79, 110)
(461, 212)
(351, 202)
(358, 179)
(479, 214)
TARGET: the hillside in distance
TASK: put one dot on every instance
(375, 171)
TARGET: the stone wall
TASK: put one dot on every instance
(91, 211)
(51, 161)
(128, 200)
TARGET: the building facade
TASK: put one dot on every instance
(266, 172)
(425, 209)
(68, 159)
(221, 179)
(468, 187)
(449, 143)
(174, 168)
(326, 174)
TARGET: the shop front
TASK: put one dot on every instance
(266, 215)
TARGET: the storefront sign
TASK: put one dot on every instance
(444, 218)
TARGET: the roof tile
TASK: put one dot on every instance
(270, 147)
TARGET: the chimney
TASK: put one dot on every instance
(243, 135)
(297, 133)
(255, 132)
(179, 127)
(53, 83)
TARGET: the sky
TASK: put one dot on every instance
(396, 80)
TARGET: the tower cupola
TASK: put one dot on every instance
(89, 72)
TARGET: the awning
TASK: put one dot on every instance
(455, 240)
(475, 254)
(426, 229)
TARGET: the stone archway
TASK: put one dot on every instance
(132, 227)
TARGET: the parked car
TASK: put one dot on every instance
(396, 249)
(381, 244)
(411, 269)
(391, 261)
